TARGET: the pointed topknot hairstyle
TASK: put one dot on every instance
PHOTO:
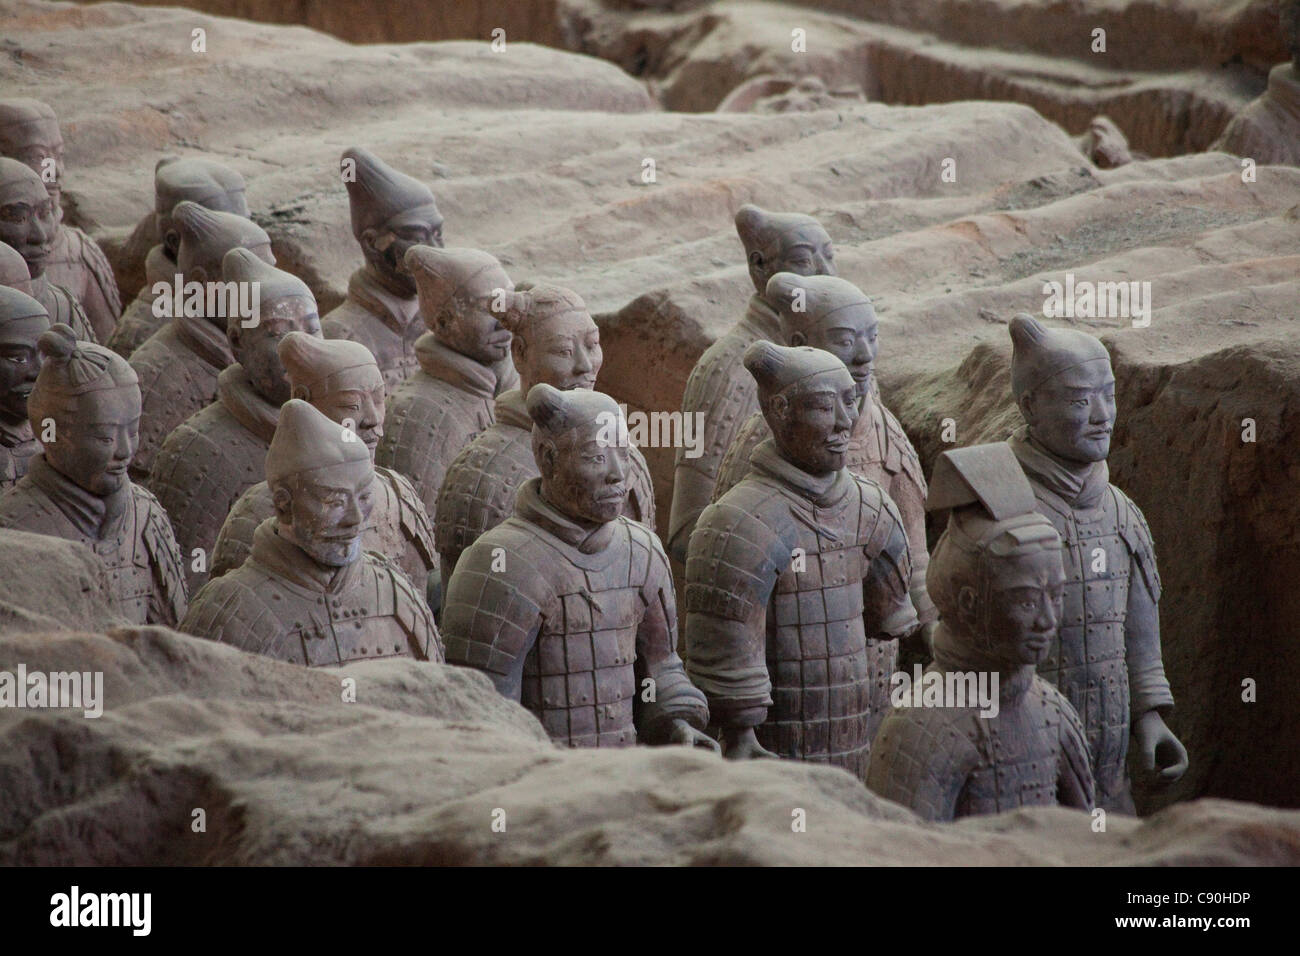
(540, 302)
(306, 440)
(804, 301)
(445, 276)
(555, 413)
(319, 366)
(778, 368)
(992, 514)
(206, 236)
(762, 231)
(71, 369)
(192, 179)
(377, 192)
(1039, 353)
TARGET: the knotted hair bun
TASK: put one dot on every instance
(58, 344)
(71, 368)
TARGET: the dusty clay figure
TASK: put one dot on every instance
(219, 452)
(341, 380)
(13, 271)
(997, 578)
(179, 364)
(308, 592)
(832, 314)
(22, 322)
(568, 605)
(1107, 657)
(797, 579)
(391, 212)
(464, 365)
(201, 181)
(28, 225)
(29, 133)
(718, 386)
(554, 342)
(85, 408)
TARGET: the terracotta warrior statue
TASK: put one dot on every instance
(29, 133)
(464, 365)
(22, 322)
(13, 270)
(219, 452)
(308, 593)
(28, 225)
(391, 212)
(1107, 657)
(997, 577)
(568, 605)
(85, 409)
(718, 386)
(797, 579)
(554, 342)
(341, 380)
(202, 181)
(832, 314)
(179, 364)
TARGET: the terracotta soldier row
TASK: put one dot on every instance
(804, 577)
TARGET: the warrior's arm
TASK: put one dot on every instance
(887, 603)
(1075, 786)
(922, 767)
(490, 620)
(732, 567)
(672, 695)
(1148, 686)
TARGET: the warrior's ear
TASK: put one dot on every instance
(967, 605)
(546, 407)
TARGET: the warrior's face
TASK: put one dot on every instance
(1072, 414)
(20, 361)
(850, 334)
(584, 471)
(385, 248)
(255, 348)
(327, 510)
(27, 220)
(804, 250)
(96, 439)
(356, 407)
(812, 420)
(1024, 606)
(470, 323)
(560, 350)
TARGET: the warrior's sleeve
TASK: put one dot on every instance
(1148, 685)
(642, 496)
(169, 602)
(1074, 784)
(413, 614)
(235, 540)
(917, 760)
(735, 463)
(731, 569)
(672, 695)
(494, 607)
(888, 611)
(417, 529)
(100, 297)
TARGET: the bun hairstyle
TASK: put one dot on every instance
(556, 413)
(822, 296)
(761, 231)
(71, 368)
(539, 302)
(546, 408)
(776, 367)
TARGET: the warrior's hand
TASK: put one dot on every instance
(686, 735)
(740, 743)
(1158, 745)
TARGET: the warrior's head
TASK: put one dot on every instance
(555, 341)
(463, 293)
(996, 574)
(322, 483)
(23, 321)
(85, 409)
(391, 212)
(202, 181)
(1065, 389)
(28, 217)
(206, 235)
(580, 444)
(783, 242)
(810, 402)
(285, 305)
(13, 270)
(29, 133)
(831, 314)
(340, 379)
